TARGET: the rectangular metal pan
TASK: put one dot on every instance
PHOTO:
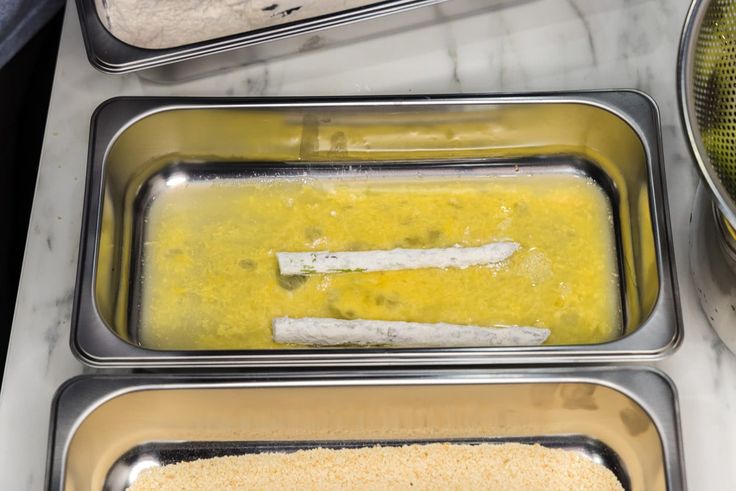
(111, 55)
(105, 429)
(612, 137)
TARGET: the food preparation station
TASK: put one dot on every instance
(512, 47)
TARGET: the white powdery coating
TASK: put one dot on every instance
(158, 24)
(300, 263)
(316, 331)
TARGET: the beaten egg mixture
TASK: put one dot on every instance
(211, 281)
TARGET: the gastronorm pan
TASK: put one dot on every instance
(110, 54)
(136, 143)
(105, 429)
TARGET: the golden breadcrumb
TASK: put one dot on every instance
(440, 466)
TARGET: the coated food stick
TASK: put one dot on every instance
(314, 331)
(305, 263)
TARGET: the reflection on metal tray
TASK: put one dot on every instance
(105, 430)
(112, 55)
(609, 136)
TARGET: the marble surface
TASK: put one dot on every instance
(524, 46)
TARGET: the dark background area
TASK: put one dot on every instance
(25, 88)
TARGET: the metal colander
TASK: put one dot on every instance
(707, 92)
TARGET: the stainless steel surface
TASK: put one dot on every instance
(727, 238)
(714, 281)
(707, 95)
(106, 429)
(136, 141)
(111, 55)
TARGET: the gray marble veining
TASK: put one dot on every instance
(526, 45)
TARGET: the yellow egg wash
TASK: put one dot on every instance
(211, 281)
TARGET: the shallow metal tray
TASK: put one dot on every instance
(105, 429)
(111, 55)
(136, 144)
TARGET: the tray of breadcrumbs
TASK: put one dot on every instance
(588, 429)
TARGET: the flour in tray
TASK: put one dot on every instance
(158, 24)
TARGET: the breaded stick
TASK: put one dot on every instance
(304, 263)
(315, 331)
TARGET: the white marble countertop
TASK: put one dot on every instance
(527, 45)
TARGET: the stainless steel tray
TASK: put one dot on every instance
(109, 54)
(135, 143)
(105, 429)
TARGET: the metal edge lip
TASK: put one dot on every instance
(617, 350)
(370, 361)
(686, 104)
(55, 455)
(134, 58)
(659, 402)
(660, 206)
(665, 244)
(87, 206)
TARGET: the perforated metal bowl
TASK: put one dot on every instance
(707, 95)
